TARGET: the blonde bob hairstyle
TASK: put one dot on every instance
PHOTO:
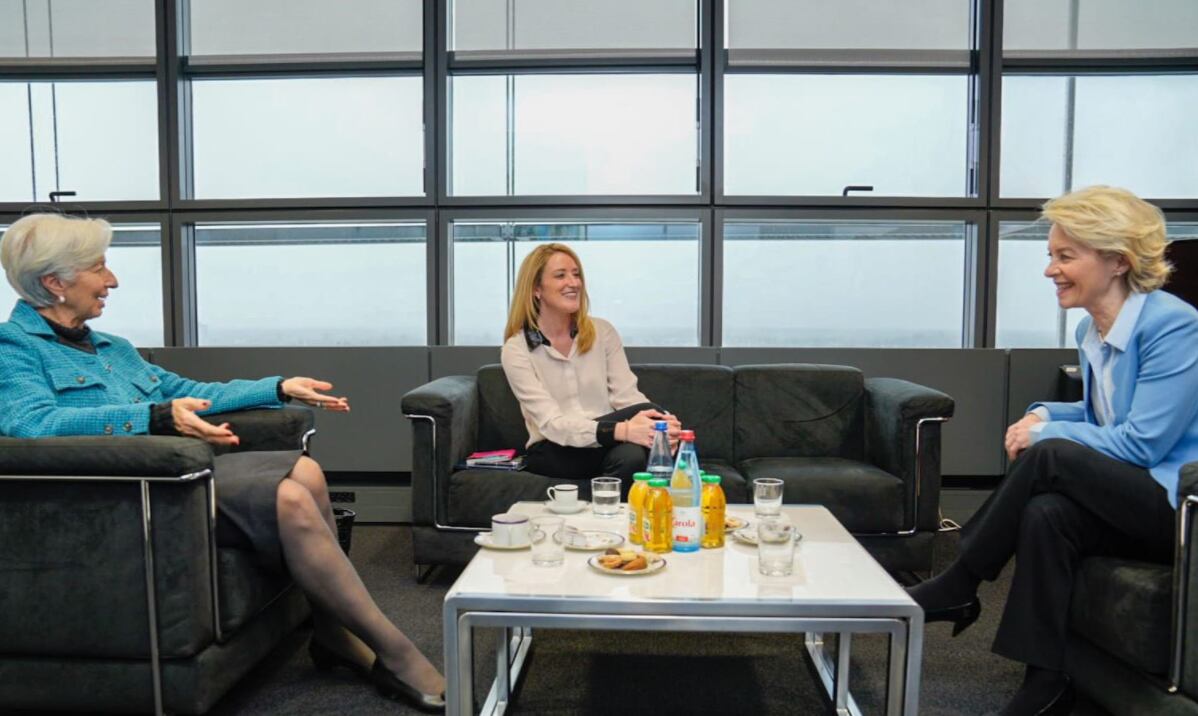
(1115, 221)
(526, 308)
(49, 244)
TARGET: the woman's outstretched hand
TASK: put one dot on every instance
(186, 422)
(1019, 435)
(308, 392)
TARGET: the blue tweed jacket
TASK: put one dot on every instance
(49, 389)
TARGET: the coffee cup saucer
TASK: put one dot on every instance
(483, 539)
(554, 506)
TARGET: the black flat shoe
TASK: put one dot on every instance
(325, 659)
(962, 616)
(393, 687)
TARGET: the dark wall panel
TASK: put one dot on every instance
(460, 360)
(976, 379)
(373, 437)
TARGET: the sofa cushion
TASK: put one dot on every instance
(245, 588)
(1125, 607)
(799, 410)
(500, 422)
(733, 483)
(701, 397)
(862, 497)
(476, 495)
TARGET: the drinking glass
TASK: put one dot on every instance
(767, 496)
(605, 496)
(775, 546)
(547, 547)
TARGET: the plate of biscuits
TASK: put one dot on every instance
(733, 523)
(627, 562)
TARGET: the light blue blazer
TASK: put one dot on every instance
(1155, 404)
(49, 389)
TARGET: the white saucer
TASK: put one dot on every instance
(483, 539)
(553, 506)
(592, 540)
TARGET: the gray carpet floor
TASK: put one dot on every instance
(631, 672)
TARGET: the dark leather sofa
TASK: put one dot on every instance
(867, 449)
(94, 531)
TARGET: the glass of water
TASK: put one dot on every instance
(767, 496)
(605, 496)
(547, 547)
(775, 546)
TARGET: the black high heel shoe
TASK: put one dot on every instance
(962, 616)
(391, 686)
(325, 659)
(1058, 702)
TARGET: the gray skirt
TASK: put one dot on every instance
(247, 484)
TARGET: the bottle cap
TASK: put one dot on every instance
(714, 479)
(661, 425)
(642, 476)
(687, 435)
(658, 482)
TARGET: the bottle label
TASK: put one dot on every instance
(687, 528)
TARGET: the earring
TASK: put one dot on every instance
(62, 298)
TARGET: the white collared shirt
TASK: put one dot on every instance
(560, 396)
(1103, 353)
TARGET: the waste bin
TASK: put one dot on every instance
(344, 518)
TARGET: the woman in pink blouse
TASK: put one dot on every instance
(584, 414)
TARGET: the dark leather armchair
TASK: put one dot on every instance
(868, 449)
(113, 593)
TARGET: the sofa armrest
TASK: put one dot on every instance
(444, 417)
(1183, 673)
(134, 456)
(898, 412)
(268, 428)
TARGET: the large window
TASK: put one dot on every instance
(1099, 92)
(76, 28)
(97, 139)
(574, 134)
(311, 284)
(823, 95)
(308, 137)
(641, 276)
(133, 310)
(842, 283)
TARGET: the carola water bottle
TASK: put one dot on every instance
(661, 460)
(685, 491)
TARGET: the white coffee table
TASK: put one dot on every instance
(836, 588)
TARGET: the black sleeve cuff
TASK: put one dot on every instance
(161, 422)
(605, 433)
(283, 397)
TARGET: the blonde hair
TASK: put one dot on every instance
(1116, 221)
(49, 244)
(526, 309)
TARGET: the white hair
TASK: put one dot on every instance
(49, 244)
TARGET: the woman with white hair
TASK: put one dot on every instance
(59, 377)
(1094, 477)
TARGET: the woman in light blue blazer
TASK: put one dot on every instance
(59, 377)
(1094, 477)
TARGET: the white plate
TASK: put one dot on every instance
(592, 540)
(746, 535)
(732, 523)
(483, 539)
(553, 506)
(656, 564)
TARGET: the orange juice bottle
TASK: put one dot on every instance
(658, 522)
(636, 507)
(714, 506)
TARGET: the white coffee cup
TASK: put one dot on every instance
(564, 495)
(509, 530)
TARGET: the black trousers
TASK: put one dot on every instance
(573, 463)
(1060, 502)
